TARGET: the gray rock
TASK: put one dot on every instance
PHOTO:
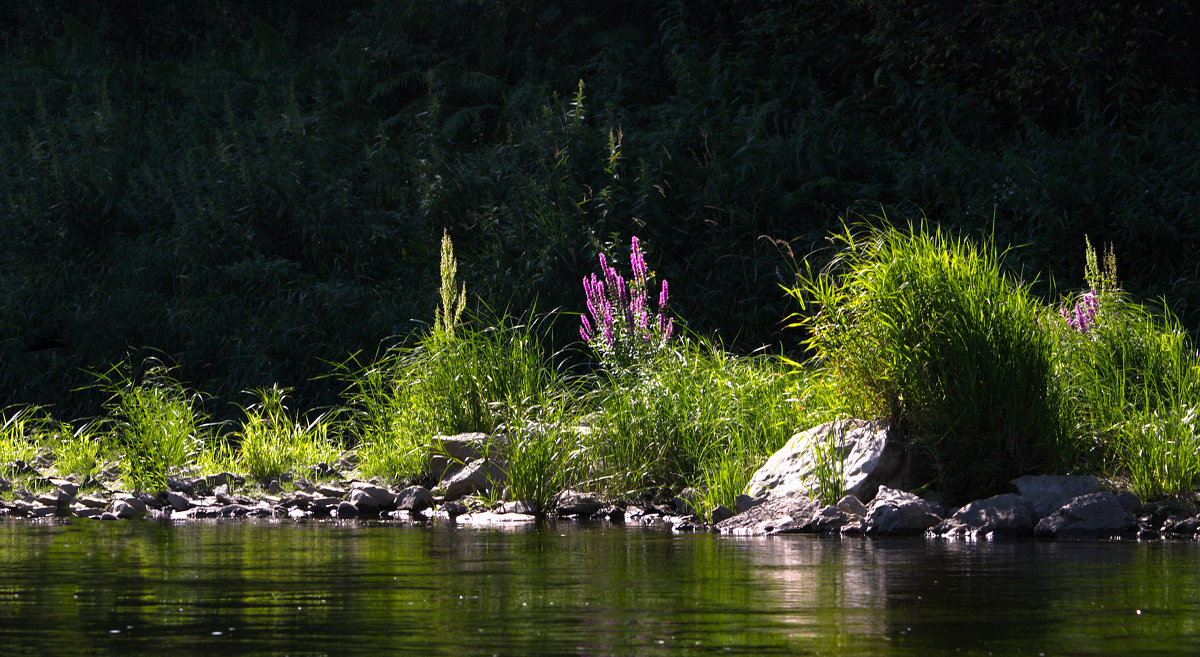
(452, 509)
(66, 491)
(1005, 515)
(462, 447)
(329, 490)
(414, 498)
(853, 506)
(19, 467)
(442, 467)
(478, 477)
(488, 518)
(871, 455)
(347, 510)
(323, 506)
(109, 515)
(895, 512)
(743, 503)
(1048, 493)
(520, 506)
(92, 501)
(721, 513)
(346, 461)
(781, 514)
(370, 497)
(210, 483)
(298, 514)
(185, 485)
(86, 512)
(197, 513)
(234, 511)
(1186, 527)
(321, 471)
(831, 520)
(178, 502)
(686, 502)
(574, 503)
(364, 503)
(5, 485)
(127, 507)
(1129, 500)
(1096, 515)
(261, 512)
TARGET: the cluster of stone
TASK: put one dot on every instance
(470, 470)
(874, 460)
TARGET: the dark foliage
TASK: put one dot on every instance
(254, 188)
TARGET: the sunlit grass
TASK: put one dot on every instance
(18, 434)
(696, 416)
(928, 331)
(156, 423)
(273, 440)
(481, 377)
(1131, 390)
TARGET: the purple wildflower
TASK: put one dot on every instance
(620, 327)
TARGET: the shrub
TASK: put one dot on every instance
(927, 330)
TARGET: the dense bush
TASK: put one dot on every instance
(926, 330)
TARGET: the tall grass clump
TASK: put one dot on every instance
(80, 450)
(694, 416)
(19, 434)
(462, 375)
(273, 440)
(157, 425)
(543, 455)
(927, 330)
(1130, 381)
(475, 380)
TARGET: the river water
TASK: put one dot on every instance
(138, 588)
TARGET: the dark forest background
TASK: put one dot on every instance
(251, 191)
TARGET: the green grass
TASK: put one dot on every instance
(543, 456)
(18, 434)
(695, 416)
(1131, 390)
(986, 380)
(489, 372)
(273, 440)
(928, 330)
(157, 425)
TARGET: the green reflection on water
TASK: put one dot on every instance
(138, 588)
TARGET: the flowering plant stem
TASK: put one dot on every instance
(622, 328)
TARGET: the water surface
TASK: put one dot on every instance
(137, 588)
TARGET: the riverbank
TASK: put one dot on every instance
(1049, 507)
(984, 382)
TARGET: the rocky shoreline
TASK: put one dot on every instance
(471, 477)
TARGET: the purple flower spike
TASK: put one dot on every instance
(619, 324)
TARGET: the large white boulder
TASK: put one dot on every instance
(869, 452)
